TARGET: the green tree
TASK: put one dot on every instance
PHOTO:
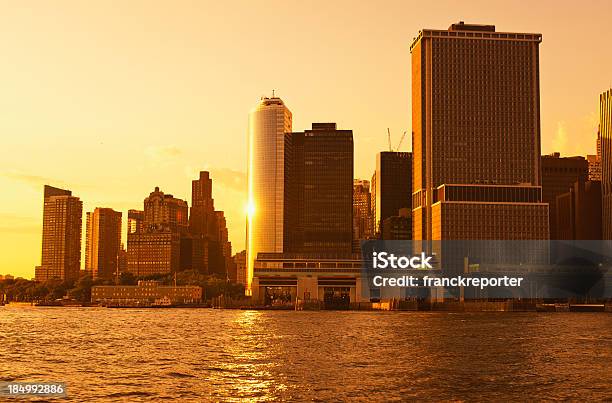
(127, 278)
(82, 289)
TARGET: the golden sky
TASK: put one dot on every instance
(112, 98)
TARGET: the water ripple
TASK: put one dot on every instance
(223, 355)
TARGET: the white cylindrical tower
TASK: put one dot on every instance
(269, 120)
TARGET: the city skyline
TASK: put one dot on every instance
(164, 158)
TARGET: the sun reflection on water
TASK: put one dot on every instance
(252, 363)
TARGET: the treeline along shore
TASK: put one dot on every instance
(23, 290)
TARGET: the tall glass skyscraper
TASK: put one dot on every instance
(605, 127)
(269, 120)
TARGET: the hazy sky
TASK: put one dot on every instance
(112, 98)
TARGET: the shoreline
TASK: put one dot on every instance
(450, 307)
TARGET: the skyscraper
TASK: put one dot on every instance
(362, 209)
(61, 238)
(595, 161)
(317, 261)
(225, 246)
(134, 221)
(211, 249)
(578, 212)
(269, 120)
(393, 185)
(605, 128)
(558, 176)
(164, 211)
(156, 249)
(103, 242)
(319, 191)
(476, 135)
(202, 225)
(202, 217)
(373, 206)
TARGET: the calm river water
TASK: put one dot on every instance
(224, 355)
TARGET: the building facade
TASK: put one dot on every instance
(145, 294)
(362, 208)
(269, 120)
(156, 249)
(283, 278)
(153, 252)
(490, 212)
(318, 214)
(202, 219)
(476, 123)
(398, 227)
(122, 260)
(165, 212)
(211, 249)
(61, 236)
(135, 221)
(605, 128)
(241, 267)
(103, 242)
(578, 212)
(558, 176)
(595, 161)
(225, 246)
(375, 233)
(393, 185)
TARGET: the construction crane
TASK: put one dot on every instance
(399, 144)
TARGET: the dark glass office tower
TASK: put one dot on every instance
(319, 191)
(393, 185)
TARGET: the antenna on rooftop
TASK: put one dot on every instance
(398, 144)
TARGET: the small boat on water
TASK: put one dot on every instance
(164, 302)
(587, 308)
(59, 302)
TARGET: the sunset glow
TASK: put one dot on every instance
(110, 100)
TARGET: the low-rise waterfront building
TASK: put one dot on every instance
(281, 278)
(146, 293)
